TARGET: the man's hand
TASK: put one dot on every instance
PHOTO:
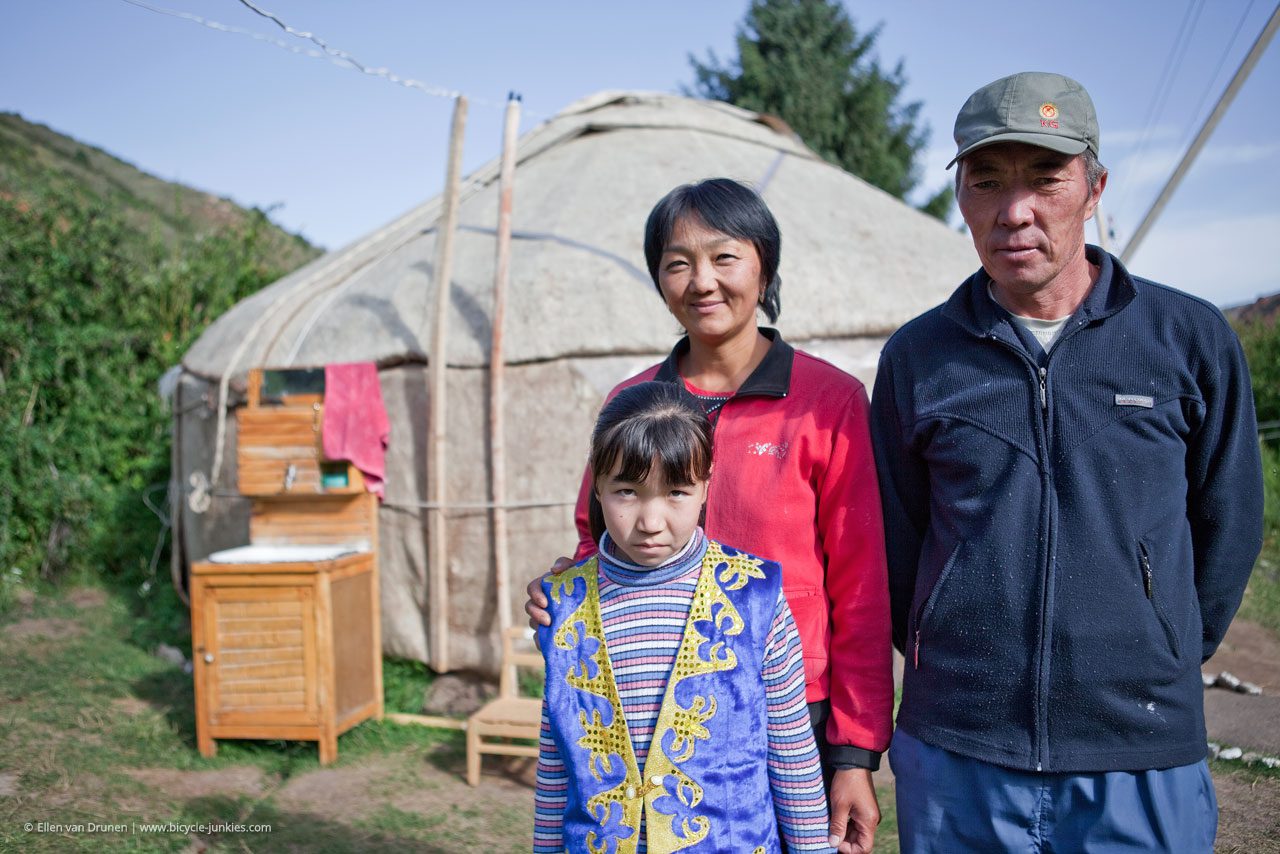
(854, 811)
(536, 607)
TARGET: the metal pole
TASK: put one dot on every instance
(1099, 220)
(497, 445)
(437, 534)
(1233, 88)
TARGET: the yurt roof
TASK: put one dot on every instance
(855, 260)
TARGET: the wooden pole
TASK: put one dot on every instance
(1228, 95)
(497, 444)
(437, 534)
(435, 721)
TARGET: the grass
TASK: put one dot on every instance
(1262, 598)
(1248, 772)
(887, 832)
(404, 683)
(80, 704)
(86, 714)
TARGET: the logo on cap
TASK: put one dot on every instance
(1048, 111)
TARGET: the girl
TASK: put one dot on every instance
(674, 715)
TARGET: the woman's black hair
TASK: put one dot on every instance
(726, 206)
(648, 424)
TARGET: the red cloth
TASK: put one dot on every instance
(355, 423)
(794, 481)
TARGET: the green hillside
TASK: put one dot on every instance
(35, 159)
(107, 276)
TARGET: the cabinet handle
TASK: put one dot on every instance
(208, 658)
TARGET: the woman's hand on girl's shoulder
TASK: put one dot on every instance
(536, 606)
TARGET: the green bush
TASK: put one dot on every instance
(91, 314)
(1261, 340)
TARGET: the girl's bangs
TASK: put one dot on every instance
(635, 446)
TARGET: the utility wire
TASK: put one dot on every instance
(1222, 60)
(342, 57)
(1164, 86)
(225, 28)
(338, 57)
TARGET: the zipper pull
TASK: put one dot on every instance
(1146, 572)
(917, 653)
(1044, 397)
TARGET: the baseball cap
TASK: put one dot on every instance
(1034, 107)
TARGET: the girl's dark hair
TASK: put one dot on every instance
(726, 206)
(647, 424)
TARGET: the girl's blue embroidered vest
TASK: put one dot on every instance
(704, 786)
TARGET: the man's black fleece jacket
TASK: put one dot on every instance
(1069, 534)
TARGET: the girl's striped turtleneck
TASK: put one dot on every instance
(618, 568)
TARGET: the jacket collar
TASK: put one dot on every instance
(771, 378)
(973, 309)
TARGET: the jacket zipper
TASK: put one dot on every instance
(1042, 377)
(1146, 569)
(915, 656)
(1041, 373)
(929, 600)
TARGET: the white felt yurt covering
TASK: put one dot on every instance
(582, 314)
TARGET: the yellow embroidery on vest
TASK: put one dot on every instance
(688, 725)
(741, 568)
(603, 743)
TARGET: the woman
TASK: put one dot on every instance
(793, 478)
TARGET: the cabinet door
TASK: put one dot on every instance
(260, 655)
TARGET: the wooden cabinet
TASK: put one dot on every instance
(286, 650)
(286, 636)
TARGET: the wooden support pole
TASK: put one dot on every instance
(437, 535)
(435, 721)
(497, 444)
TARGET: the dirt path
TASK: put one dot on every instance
(392, 802)
(1250, 653)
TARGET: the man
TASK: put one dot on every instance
(1072, 494)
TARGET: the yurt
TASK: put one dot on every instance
(581, 314)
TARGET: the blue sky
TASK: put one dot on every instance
(335, 153)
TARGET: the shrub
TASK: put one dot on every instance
(1261, 340)
(91, 314)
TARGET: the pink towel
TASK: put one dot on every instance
(355, 424)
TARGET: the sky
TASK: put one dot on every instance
(334, 154)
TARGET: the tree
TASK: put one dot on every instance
(805, 62)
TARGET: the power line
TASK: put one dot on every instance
(342, 57)
(1222, 60)
(1164, 86)
(225, 28)
(1224, 101)
(338, 57)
